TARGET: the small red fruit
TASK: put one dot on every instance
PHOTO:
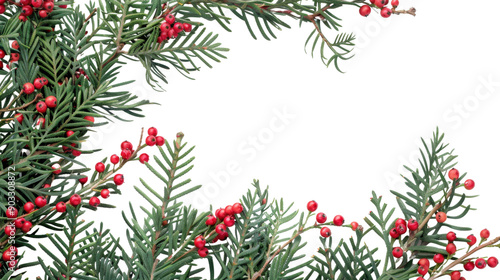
(94, 201)
(412, 224)
(2, 54)
(220, 214)
(19, 222)
(354, 225)
(99, 167)
(40, 201)
(143, 158)
(400, 222)
(41, 107)
(394, 233)
(56, 168)
(229, 221)
(61, 207)
(170, 19)
(321, 217)
(43, 13)
(83, 180)
(325, 232)
(38, 83)
(160, 141)
(397, 252)
(229, 210)
(15, 45)
(89, 118)
(187, 27)
(211, 220)
(51, 101)
(126, 154)
(485, 234)
(469, 266)
(199, 242)
(312, 206)
(114, 159)
(203, 252)
(338, 220)
(28, 88)
(441, 217)
(178, 27)
(10, 230)
(11, 212)
(472, 239)
(381, 3)
(75, 200)
(152, 131)
(395, 3)
(424, 262)
(150, 140)
(422, 270)
(104, 193)
(455, 275)
(36, 3)
(14, 57)
(451, 248)
(453, 174)
(438, 258)
(365, 10)
(451, 236)
(19, 117)
(119, 179)
(385, 12)
(401, 228)
(492, 262)
(220, 228)
(480, 263)
(237, 208)
(29, 207)
(469, 184)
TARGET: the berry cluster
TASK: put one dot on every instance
(223, 219)
(41, 7)
(321, 218)
(14, 54)
(171, 29)
(385, 11)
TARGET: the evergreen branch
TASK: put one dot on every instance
(7, 109)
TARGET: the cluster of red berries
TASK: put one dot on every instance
(42, 7)
(171, 29)
(14, 55)
(10, 255)
(321, 218)
(385, 11)
(224, 218)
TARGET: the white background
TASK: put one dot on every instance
(350, 133)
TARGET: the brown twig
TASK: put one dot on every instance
(7, 109)
(91, 15)
(412, 11)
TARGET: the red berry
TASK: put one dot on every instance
(451, 248)
(40, 201)
(220, 214)
(469, 266)
(338, 220)
(453, 174)
(126, 145)
(178, 27)
(43, 13)
(381, 3)
(83, 180)
(480, 263)
(63, 6)
(14, 57)
(126, 154)
(160, 141)
(152, 131)
(455, 275)
(365, 10)
(354, 225)
(94, 201)
(451, 236)
(400, 222)
(150, 140)
(203, 252)
(492, 262)
(170, 19)
(51, 101)
(28, 88)
(19, 117)
(220, 228)
(61, 207)
(143, 158)
(312, 206)
(412, 224)
(2, 54)
(75, 200)
(385, 12)
(38, 83)
(164, 27)
(40, 123)
(401, 228)
(69, 133)
(89, 118)
(325, 232)
(472, 239)
(104, 193)
(41, 107)
(438, 258)
(49, 6)
(114, 159)
(119, 179)
(199, 242)
(10, 230)
(229, 221)
(237, 208)
(56, 168)
(29, 207)
(424, 262)
(11, 212)
(422, 270)
(469, 184)
(441, 217)
(229, 210)
(321, 217)
(211, 220)
(99, 167)
(15, 45)
(395, 3)
(187, 27)
(19, 222)
(36, 3)
(485, 234)
(394, 233)
(397, 252)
